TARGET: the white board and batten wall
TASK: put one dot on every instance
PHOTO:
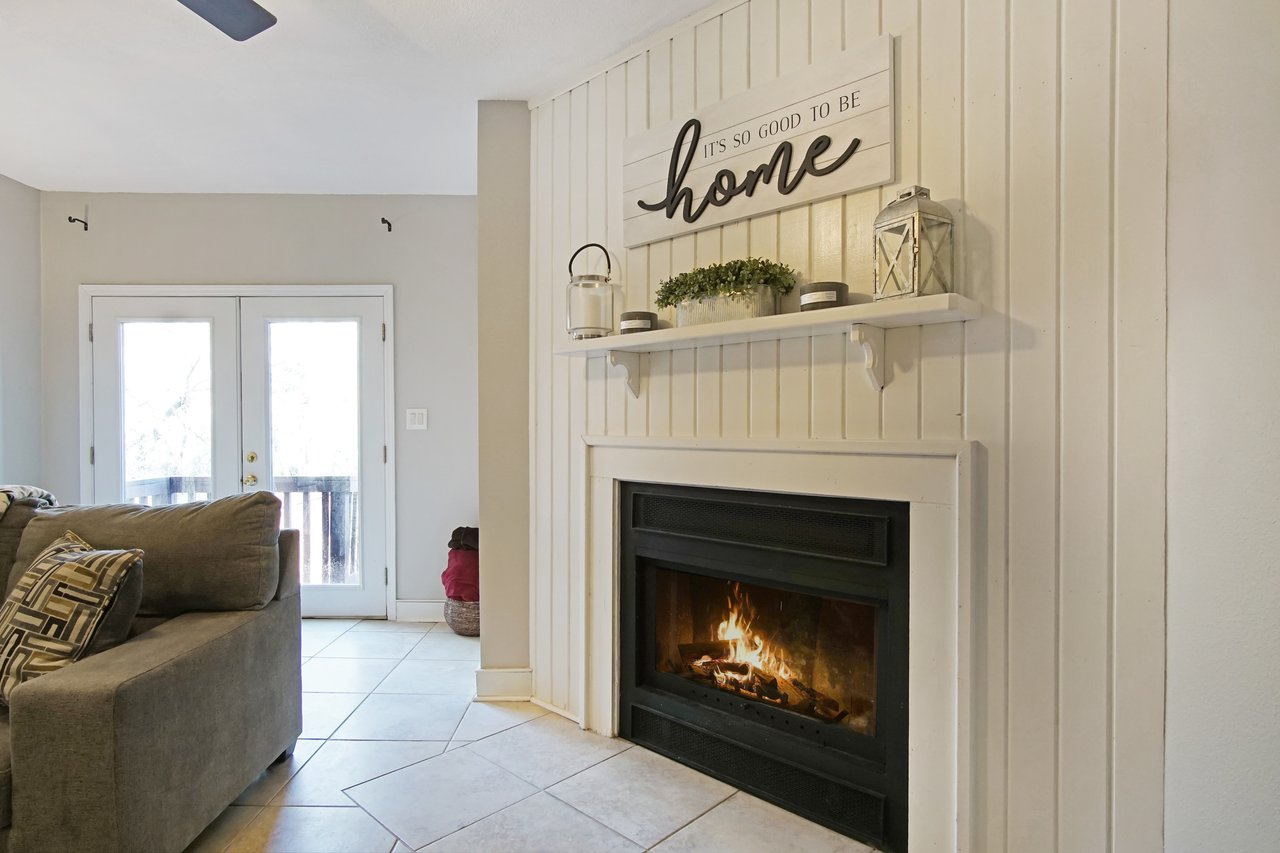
(1042, 130)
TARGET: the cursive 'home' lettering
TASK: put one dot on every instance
(725, 185)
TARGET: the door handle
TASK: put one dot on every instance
(250, 480)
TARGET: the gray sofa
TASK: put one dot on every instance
(139, 747)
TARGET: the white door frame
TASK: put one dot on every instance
(88, 291)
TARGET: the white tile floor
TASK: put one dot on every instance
(396, 757)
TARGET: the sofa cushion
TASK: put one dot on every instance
(12, 522)
(117, 623)
(50, 617)
(6, 772)
(208, 555)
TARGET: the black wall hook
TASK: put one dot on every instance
(387, 222)
(81, 221)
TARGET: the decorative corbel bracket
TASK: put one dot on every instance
(630, 362)
(871, 338)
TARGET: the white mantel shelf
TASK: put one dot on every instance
(864, 322)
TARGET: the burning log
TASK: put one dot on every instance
(714, 649)
(708, 661)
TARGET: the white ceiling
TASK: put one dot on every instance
(341, 96)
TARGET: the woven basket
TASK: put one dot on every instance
(463, 617)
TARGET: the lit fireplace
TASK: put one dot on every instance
(764, 641)
(805, 654)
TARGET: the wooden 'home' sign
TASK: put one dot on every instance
(814, 134)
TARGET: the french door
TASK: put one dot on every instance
(202, 397)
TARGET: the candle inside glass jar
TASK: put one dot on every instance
(591, 309)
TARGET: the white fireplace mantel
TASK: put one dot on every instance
(934, 477)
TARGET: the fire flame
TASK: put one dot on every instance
(745, 646)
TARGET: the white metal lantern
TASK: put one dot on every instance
(913, 246)
(589, 300)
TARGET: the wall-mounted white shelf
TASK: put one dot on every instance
(864, 322)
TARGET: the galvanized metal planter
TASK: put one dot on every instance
(763, 302)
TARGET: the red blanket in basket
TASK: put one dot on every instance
(462, 576)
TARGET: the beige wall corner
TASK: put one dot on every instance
(503, 339)
(176, 240)
(19, 333)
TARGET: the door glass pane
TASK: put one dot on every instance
(167, 411)
(315, 441)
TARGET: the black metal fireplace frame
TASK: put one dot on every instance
(853, 783)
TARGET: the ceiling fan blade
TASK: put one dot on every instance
(240, 19)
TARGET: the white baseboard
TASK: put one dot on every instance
(504, 685)
(418, 611)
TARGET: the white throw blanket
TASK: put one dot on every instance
(9, 494)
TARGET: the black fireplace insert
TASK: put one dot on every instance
(764, 642)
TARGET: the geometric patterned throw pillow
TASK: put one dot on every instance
(49, 619)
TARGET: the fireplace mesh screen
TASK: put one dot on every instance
(864, 538)
(834, 803)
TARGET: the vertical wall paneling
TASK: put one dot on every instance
(861, 21)
(541, 657)
(826, 38)
(658, 391)
(1137, 763)
(683, 392)
(659, 83)
(586, 224)
(986, 191)
(794, 36)
(684, 389)
(941, 111)
(1084, 693)
(1033, 426)
(735, 57)
(793, 354)
(735, 359)
(826, 252)
(707, 59)
(861, 398)
(707, 243)
(707, 251)
(1041, 129)
(763, 356)
(561, 249)
(900, 415)
(763, 231)
(658, 385)
(684, 92)
(633, 81)
(794, 52)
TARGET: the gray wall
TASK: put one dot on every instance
(503, 313)
(19, 333)
(1222, 747)
(429, 258)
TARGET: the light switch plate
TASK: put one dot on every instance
(415, 418)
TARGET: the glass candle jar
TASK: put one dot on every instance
(589, 301)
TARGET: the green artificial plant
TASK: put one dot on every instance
(735, 279)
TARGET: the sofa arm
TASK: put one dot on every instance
(290, 555)
(140, 747)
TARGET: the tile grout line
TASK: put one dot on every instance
(331, 736)
(459, 829)
(663, 839)
(395, 838)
